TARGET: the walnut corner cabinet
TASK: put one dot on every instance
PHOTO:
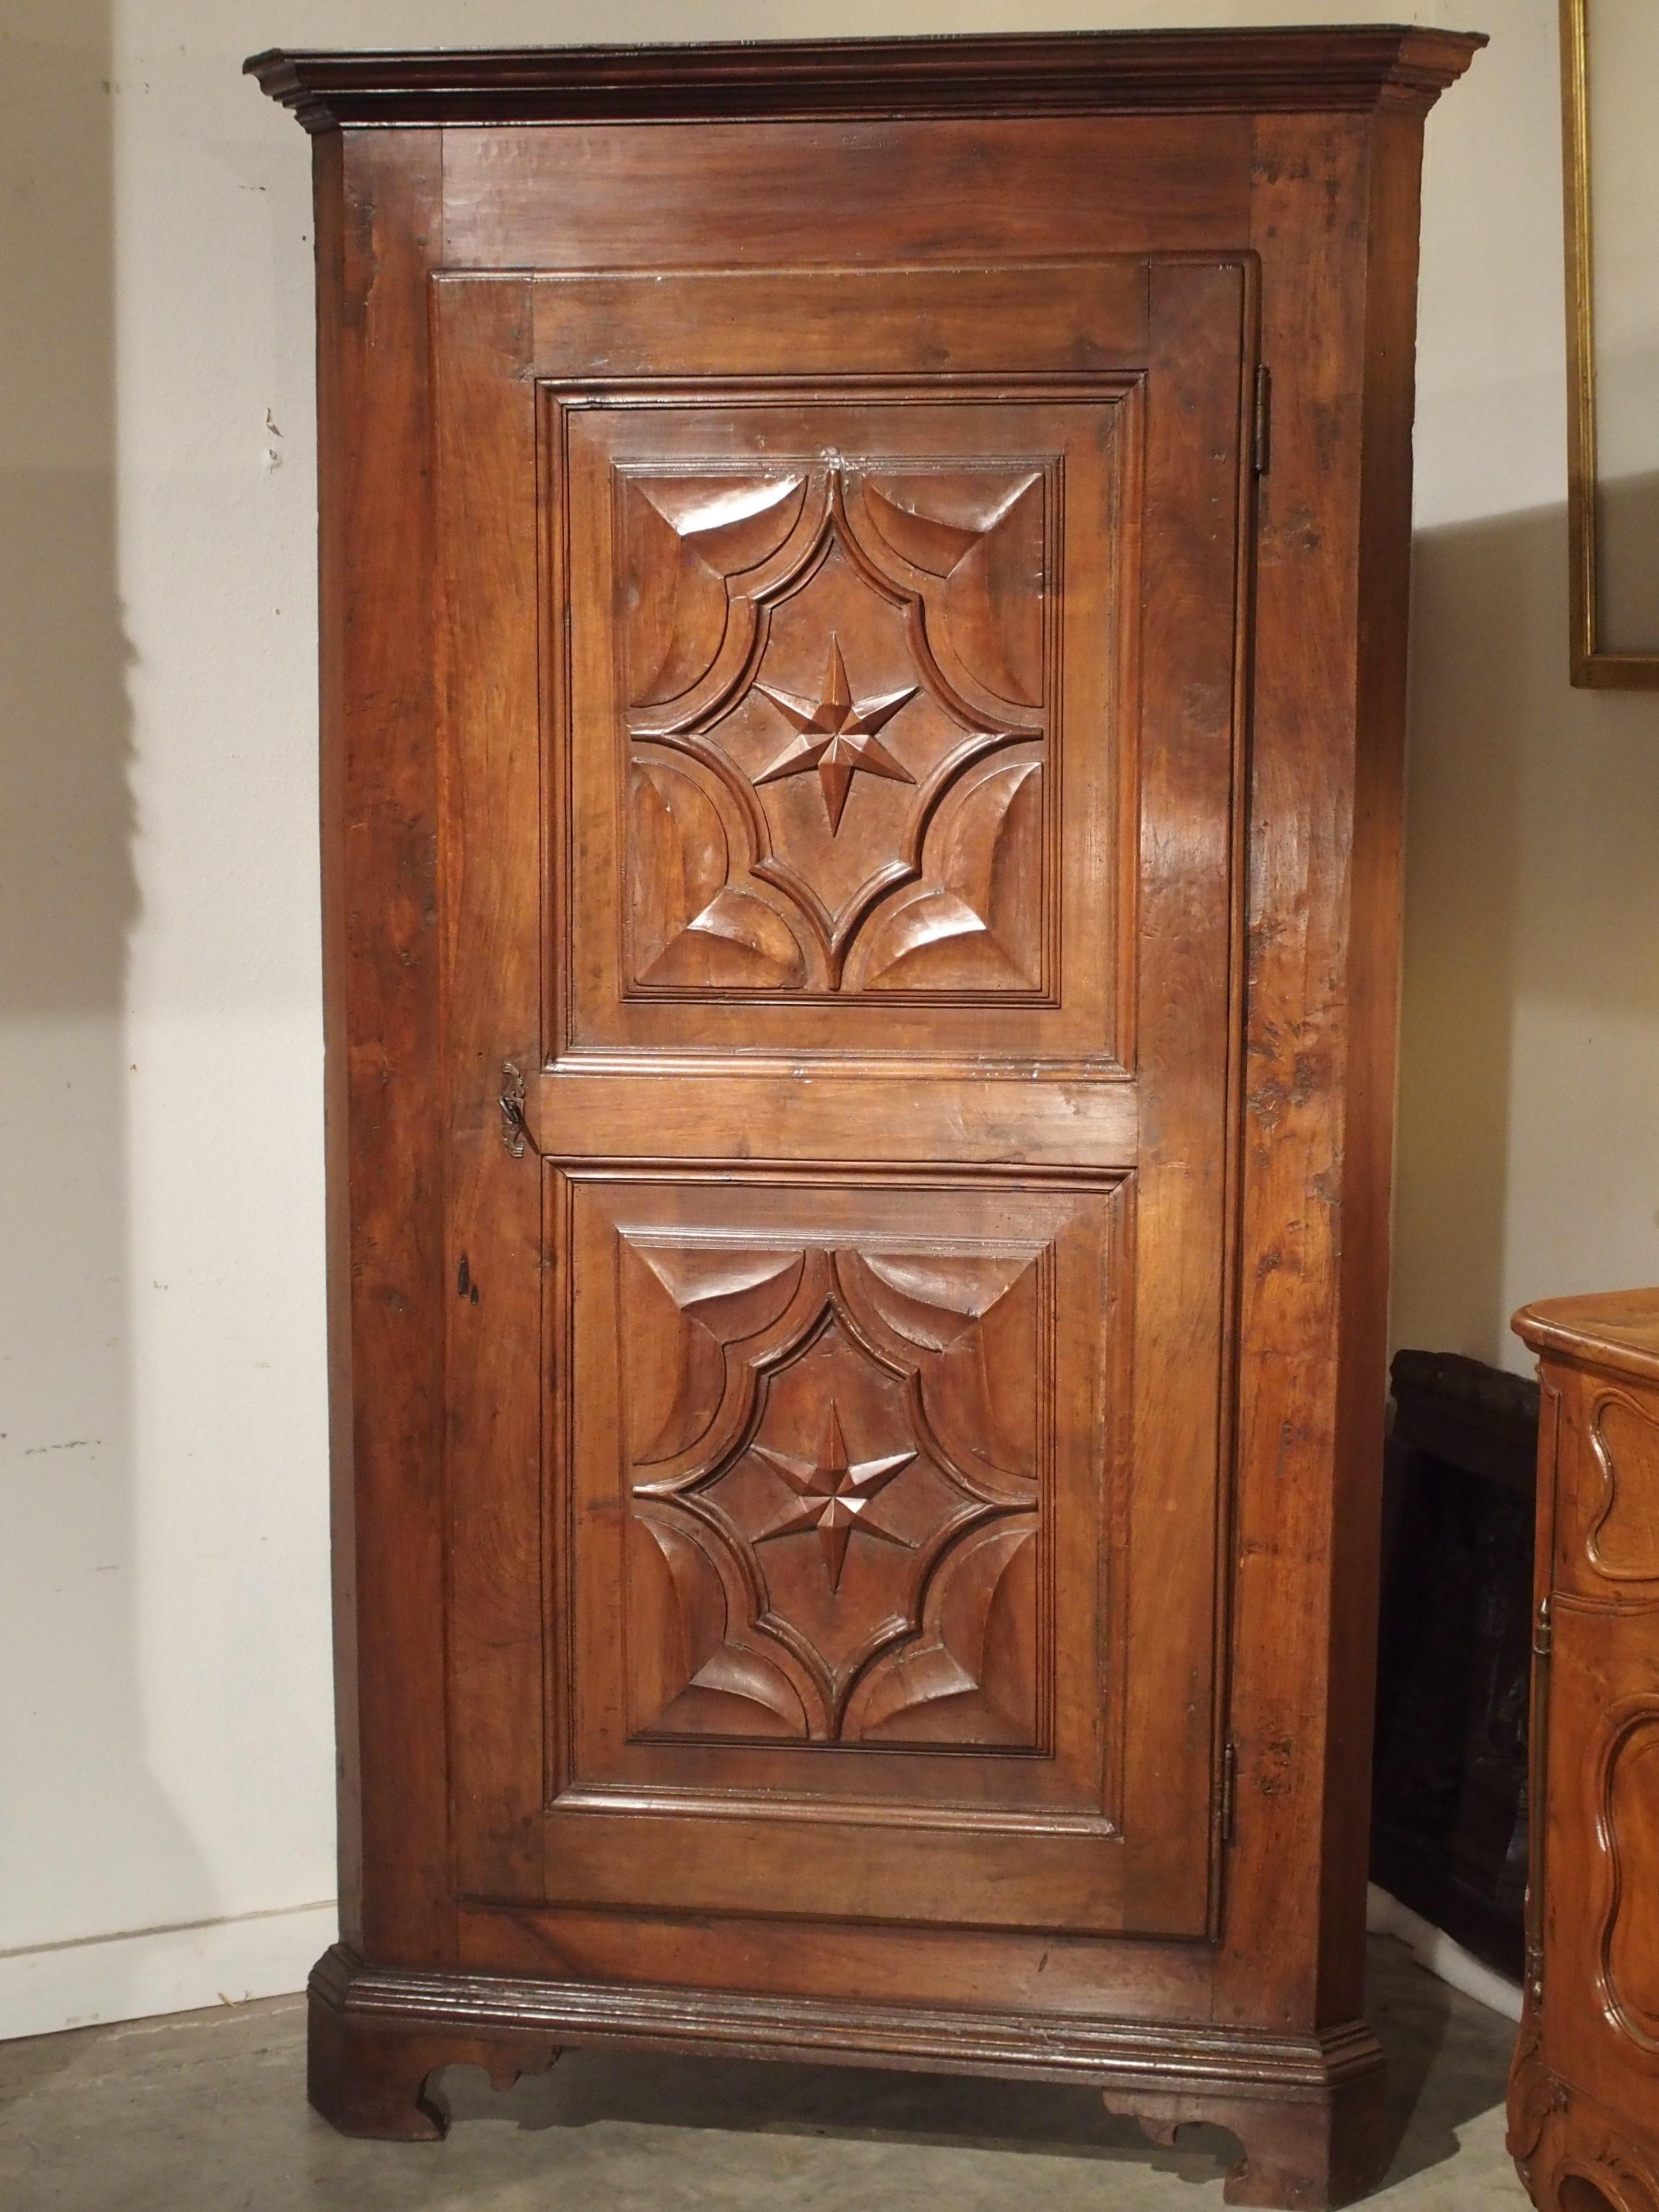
(1584, 2092)
(864, 594)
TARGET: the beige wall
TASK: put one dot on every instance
(165, 1724)
(1528, 1162)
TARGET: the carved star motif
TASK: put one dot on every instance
(836, 736)
(835, 1496)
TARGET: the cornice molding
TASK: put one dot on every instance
(1345, 70)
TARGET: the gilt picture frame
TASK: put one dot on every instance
(1609, 89)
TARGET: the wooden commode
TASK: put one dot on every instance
(1584, 2094)
(863, 596)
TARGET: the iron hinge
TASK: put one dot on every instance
(1543, 1633)
(1262, 434)
(1535, 1972)
(1229, 1791)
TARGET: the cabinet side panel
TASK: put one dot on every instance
(1309, 215)
(328, 204)
(1375, 937)
(379, 195)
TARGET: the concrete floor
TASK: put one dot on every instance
(206, 2112)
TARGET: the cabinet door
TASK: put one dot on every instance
(840, 688)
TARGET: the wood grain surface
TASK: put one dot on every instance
(864, 603)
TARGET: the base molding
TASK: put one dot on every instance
(1307, 2109)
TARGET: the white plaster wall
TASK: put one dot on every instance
(165, 1734)
(1529, 1161)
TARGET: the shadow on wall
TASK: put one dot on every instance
(1529, 1160)
(82, 1823)
(1627, 564)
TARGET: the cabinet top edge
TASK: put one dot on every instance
(1617, 1330)
(1353, 68)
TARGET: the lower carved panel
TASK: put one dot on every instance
(836, 1492)
(840, 1470)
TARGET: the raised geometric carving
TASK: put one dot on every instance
(690, 925)
(684, 536)
(713, 1682)
(832, 1496)
(1623, 1537)
(721, 1295)
(975, 925)
(990, 557)
(836, 1492)
(966, 1680)
(837, 735)
(899, 622)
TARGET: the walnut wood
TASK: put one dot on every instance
(909, 191)
(1308, 2110)
(1584, 2092)
(1191, 72)
(1297, 2151)
(377, 233)
(373, 2079)
(856, 1522)
(1148, 2062)
(578, 1113)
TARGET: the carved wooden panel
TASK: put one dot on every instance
(820, 665)
(827, 743)
(843, 1460)
(835, 1490)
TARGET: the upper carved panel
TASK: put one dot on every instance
(839, 698)
(835, 1494)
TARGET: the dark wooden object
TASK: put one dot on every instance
(863, 602)
(1449, 1792)
(1584, 2094)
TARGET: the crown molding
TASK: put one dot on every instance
(1345, 70)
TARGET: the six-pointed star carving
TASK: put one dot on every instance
(837, 735)
(834, 1497)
